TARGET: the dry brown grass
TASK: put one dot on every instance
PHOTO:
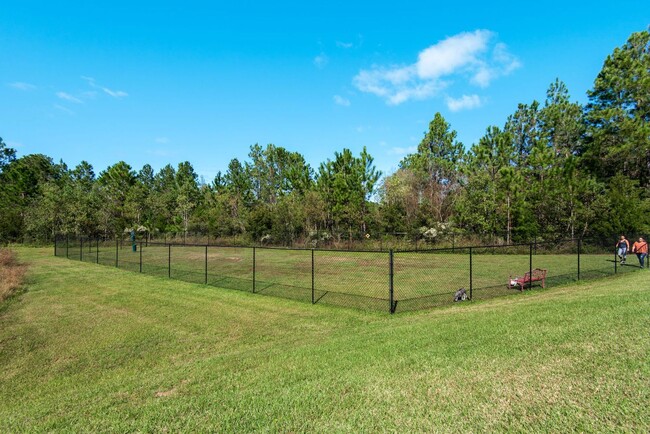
(12, 273)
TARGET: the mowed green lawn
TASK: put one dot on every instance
(92, 348)
(421, 279)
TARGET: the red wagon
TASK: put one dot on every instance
(538, 275)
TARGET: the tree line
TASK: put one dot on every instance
(554, 169)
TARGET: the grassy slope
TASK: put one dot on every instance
(91, 348)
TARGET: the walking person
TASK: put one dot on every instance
(623, 246)
(641, 249)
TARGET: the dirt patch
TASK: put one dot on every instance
(12, 274)
(166, 393)
(170, 392)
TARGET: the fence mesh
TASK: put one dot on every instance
(230, 267)
(385, 281)
(424, 279)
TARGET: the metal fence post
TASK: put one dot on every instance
(530, 265)
(312, 276)
(579, 248)
(206, 264)
(66, 245)
(117, 250)
(140, 256)
(97, 252)
(471, 274)
(169, 261)
(615, 263)
(81, 249)
(390, 282)
(253, 269)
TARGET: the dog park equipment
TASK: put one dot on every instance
(538, 275)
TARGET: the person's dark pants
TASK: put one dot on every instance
(641, 257)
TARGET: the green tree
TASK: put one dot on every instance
(187, 193)
(7, 155)
(115, 184)
(22, 181)
(346, 184)
(618, 114)
(436, 168)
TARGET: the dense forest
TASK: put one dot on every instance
(553, 169)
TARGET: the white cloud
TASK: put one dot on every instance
(321, 60)
(451, 54)
(471, 55)
(63, 109)
(67, 97)
(90, 80)
(344, 44)
(465, 102)
(15, 145)
(403, 151)
(160, 152)
(93, 83)
(115, 93)
(22, 86)
(338, 99)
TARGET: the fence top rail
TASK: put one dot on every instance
(307, 249)
(540, 243)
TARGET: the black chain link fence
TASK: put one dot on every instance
(391, 281)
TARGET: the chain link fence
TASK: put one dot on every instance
(393, 281)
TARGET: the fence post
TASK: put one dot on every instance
(312, 276)
(530, 265)
(81, 249)
(471, 274)
(97, 252)
(169, 261)
(140, 256)
(117, 250)
(66, 245)
(206, 264)
(615, 263)
(390, 282)
(579, 248)
(253, 269)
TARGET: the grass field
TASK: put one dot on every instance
(358, 279)
(88, 348)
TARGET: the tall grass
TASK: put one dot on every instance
(12, 274)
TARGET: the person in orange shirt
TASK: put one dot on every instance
(622, 246)
(641, 249)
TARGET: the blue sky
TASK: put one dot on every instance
(161, 82)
